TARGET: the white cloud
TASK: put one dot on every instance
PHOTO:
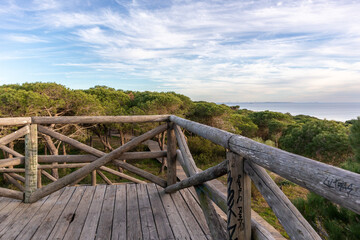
(25, 38)
(262, 49)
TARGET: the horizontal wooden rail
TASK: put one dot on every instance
(99, 119)
(338, 185)
(15, 121)
(4, 192)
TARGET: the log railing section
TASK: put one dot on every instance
(244, 163)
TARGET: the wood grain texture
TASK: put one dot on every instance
(338, 185)
(171, 155)
(133, 225)
(290, 218)
(93, 119)
(15, 121)
(94, 165)
(31, 162)
(106, 218)
(120, 217)
(14, 135)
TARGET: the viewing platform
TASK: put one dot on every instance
(184, 203)
(124, 211)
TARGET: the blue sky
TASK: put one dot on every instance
(219, 51)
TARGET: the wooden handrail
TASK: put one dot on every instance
(338, 185)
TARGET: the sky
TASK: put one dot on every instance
(221, 51)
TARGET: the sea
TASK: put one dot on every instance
(330, 111)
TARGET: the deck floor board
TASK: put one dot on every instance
(128, 211)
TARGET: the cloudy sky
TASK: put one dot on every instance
(219, 51)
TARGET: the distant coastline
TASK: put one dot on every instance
(331, 111)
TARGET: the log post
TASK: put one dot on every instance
(39, 183)
(171, 155)
(238, 199)
(93, 178)
(31, 162)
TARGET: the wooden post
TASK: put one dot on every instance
(238, 199)
(31, 162)
(171, 155)
(39, 184)
(93, 178)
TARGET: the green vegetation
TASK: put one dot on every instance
(331, 142)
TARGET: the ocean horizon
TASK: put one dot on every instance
(342, 111)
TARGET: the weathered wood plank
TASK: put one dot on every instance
(133, 225)
(148, 225)
(94, 165)
(171, 155)
(161, 218)
(119, 221)
(67, 215)
(92, 219)
(294, 223)
(4, 201)
(31, 162)
(338, 185)
(15, 121)
(196, 211)
(9, 219)
(190, 169)
(238, 199)
(21, 220)
(189, 221)
(49, 222)
(74, 229)
(28, 231)
(106, 218)
(97, 119)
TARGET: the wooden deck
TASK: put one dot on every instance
(128, 211)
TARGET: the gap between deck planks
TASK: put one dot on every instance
(131, 211)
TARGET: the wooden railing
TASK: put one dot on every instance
(244, 163)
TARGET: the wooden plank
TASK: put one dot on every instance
(133, 226)
(293, 222)
(162, 217)
(190, 222)
(97, 119)
(196, 211)
(338, 185)
(94, 165)
(171, 155)
(151, 177)
(49, 222)
(107, 213)
(75, 227)
(238, 199)
(8, 218)
(92, 219)
(15, 121)
(28, 231)
(4, 201)
(13, 229)
(31, 162)
(119, 221)
(148, 225)
(67, 215)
